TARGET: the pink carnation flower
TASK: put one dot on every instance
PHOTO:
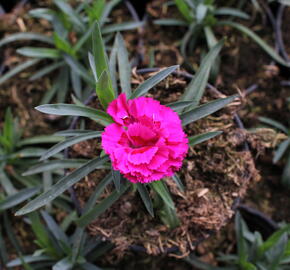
(146, 142)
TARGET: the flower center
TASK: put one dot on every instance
(140, 135)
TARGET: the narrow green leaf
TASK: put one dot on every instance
(72, 132)
(170, 22)
(113, 65)
(41, 139)
(55, 165)
(28, 152)
(75, 110)
(42, 13)
(93, 66)
(184, 9)
(107, 10)
(78, 68)
(63, 264)
(72, 14)
(25, 36)
(144, 194)
(18, 69)
(6, 183)
(231, 12)
(76, 82)
(205, 110)
(194, 140)
(116, 179)
(161, 189)
(98, 191)
(121, 27)
(29, 259)
(69, 142)
(241, 228)
(63, 84)
(178, 182)
(281, 150)
(124, 66)
(99, 51)
(179, 105)
(53, 227)
(196, 88)
(100, 208)
(62, 185)
(269, 50)
(143, 88)
(46, 70)
(286, 173)
(62, 45)
(274, 124)
(17, 198)
(104, 89)
(272, 240)
(81, 42)
(106, 94)
(39, 52)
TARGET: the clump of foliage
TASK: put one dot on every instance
(67, 47)
(254, 253)
(107, 90)
(283, 149)
(58, 249)
(16, 156)
(201, 17)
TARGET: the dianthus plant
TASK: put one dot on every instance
(143, 141)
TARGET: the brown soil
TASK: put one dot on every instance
(215, 174)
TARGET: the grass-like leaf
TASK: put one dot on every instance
(116, 179)
(231, 12)
(29, 259)
(69, 142)
(205, 110)
(54, 228)
(46, 70)
(73, 16)
(18, 69)
(78, 68)
(104, 89)
(196, 88)
(55, 165)
(124, 66)
(98, 191)
(17, 198)
(143, 88)
(170, 22)
(194, 140)
(269, 50)
(160, 188)
(72, 132)
(121, 27)
(113, 64)
(144, 194)
(41, 139)
(62, 185)
(286, 173)
(100, 208)
(39, 52)
(25, 36)
(75, 110)
(178, 182)
(179, 105)
(274, 124)
(184, 9)
(281, 150)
